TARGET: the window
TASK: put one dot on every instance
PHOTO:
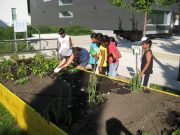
(65, 14)
(65, 2)
(28, 4)
(14, 16)
(159, 17)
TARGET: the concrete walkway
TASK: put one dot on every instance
(166, 56)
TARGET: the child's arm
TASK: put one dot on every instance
(70, 42)
(69, 61)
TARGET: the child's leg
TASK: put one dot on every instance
(113, 69)
(145, 80)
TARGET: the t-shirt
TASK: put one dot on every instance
(149, 70)
(83, 55)
(65, 42)
(113, 49)
(100, 55)
(94, 49)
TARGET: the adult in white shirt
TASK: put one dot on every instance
(64, 41)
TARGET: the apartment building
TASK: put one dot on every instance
(99, 14)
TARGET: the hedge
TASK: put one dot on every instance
(7, 33)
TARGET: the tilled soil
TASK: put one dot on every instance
(123, 110)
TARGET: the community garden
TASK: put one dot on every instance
(81, 102)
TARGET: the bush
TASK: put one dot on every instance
(43, 29)
(77, 30)
(71, 30)
(8, 33)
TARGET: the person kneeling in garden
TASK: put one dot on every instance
(147, 61)
(73, 55)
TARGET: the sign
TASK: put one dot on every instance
(20, 26)
(136, 49)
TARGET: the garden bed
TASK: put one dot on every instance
(122, 111)
(64, 99)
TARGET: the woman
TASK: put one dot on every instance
(78, 55)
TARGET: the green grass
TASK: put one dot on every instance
(9, 47)
(7, 123)
(166, 89)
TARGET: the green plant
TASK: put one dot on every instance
(42, 65)
(59, 107)
(136, 83)
(7, 123)
(146, 133)
(177, 132)
(93, 96)
(23, 80)
(21, 71)
(7, 33)
(5, 68)
(166, 89)
(77, 30)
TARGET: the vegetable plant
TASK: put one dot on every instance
(42, 65)
(93, 96)
(136, 83)
(59, 108)
(5, 68)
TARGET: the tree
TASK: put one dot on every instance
(144, 6)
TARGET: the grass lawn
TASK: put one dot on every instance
(9, 47)
(7, 123)
(166, 89)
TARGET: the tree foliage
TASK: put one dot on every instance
(141, 5)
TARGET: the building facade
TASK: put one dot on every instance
(11, 10)
(99, 14)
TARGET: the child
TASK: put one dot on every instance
(102, 65)
(64, 40)
(113, 58)
(147, 61)
(78, 55)
(94, 51)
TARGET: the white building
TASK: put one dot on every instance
(11, 10)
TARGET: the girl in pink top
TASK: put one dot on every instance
(113, 58)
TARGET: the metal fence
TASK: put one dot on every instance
(29, 45)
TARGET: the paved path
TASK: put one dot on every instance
(166, 52)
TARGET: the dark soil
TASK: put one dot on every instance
(123, 110)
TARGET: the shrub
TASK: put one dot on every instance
(8, 34)
(77, 30)
(71, 30)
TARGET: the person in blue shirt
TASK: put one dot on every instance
(77, 55)
(94, 51)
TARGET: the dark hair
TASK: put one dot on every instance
(149, 42)
(104, 39)
(93, 35)
(61, 31)
(112, 39)
(76, 51)
(99, 35)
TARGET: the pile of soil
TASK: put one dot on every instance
(123, 110)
